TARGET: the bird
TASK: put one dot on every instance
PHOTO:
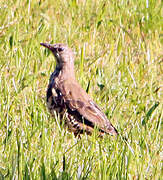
(69, 100)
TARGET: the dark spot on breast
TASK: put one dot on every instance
(53, 102)
(49, 92)
(58, 92)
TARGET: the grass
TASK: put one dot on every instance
(119, 58)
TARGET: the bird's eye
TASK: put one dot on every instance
(60, 49)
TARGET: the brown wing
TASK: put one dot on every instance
(77, 99)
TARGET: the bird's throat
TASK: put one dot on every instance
(66, 70)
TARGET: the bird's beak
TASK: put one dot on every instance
(49, 46)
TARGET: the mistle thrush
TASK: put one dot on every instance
(66, 97)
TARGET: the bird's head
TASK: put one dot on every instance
(62, 53)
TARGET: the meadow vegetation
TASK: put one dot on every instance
(119, 61)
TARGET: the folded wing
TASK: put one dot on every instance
(78, 100)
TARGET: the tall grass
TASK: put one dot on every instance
(119, 58)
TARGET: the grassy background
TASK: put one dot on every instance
(119, 59)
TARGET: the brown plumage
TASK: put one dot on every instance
(66, 97)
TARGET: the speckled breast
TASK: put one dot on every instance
(54, 97)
